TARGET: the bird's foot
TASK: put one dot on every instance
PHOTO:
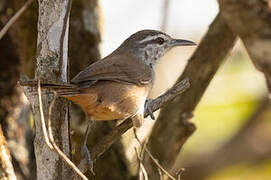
(148, 109)
(86, 163)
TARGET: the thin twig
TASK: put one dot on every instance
(43, 126)
(179, 173)
(160, 173)
(14, 18)
(141, 166)
(168, 96)
(143, 148)
(50, 134)
(50, 141)
(154, 159)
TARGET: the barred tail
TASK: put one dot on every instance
(64, 89)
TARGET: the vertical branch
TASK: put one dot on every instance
(165, 12)
(52, 53)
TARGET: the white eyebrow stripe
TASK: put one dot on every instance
(149, 38)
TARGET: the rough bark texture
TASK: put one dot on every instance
(52, 51)
(250, 19)
(249, 145)
(172, 128)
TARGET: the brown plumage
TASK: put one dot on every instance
(109, 100)
(111, 89)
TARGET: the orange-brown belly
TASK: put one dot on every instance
(111, 100)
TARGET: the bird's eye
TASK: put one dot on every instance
(160, 40)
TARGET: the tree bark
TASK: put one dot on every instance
(52, 52)
(173, 128)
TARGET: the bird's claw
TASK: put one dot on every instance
(87, 158)
(86, 163)
(148, 109)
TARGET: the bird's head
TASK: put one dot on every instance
(150, 45)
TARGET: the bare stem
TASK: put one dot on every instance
(154, 159)
(43, 126)
(14, 18)
(141, 166)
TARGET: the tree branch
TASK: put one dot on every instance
(165, 13)
(52, 48)
(106, 141)
(48, 135)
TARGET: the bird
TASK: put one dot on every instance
(117, 86)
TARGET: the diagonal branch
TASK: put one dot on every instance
(105, 143)
(14, 18)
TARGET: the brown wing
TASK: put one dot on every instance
(116, 68)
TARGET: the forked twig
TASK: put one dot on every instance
(160, 173)
(154, 159)
(179, 173)
(14, 18)
(141, 166)
(49, 139)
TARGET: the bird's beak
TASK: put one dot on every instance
(181, 42)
